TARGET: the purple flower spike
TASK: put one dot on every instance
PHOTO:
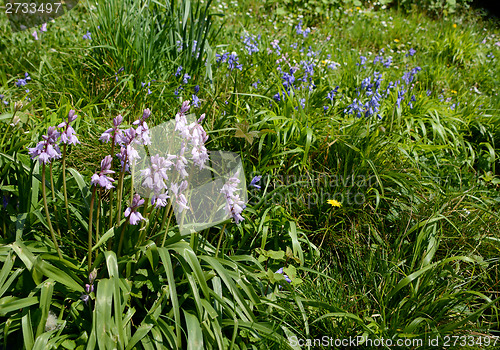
(89, 288)
(185, 107)
(47, 149)
(71, 116)
(131, 212)
(234, 205)
(101, 179)
(114, 132)
(146, 114)
(117, 120)
(68, 134)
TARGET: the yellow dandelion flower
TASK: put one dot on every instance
(396, 40)
(334, 203)
(454, 25)
(453, 92)
(358, 8)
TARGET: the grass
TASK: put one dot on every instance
(412, 251)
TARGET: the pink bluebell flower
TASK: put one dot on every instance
(180, 198)
(114, 132)
(100, 178)
(131, 212)
(47, 150)
(234, 205)
(68, 134)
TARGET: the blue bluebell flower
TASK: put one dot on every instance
(362, 60)
(196, 101)
(300, 31)
(254, 182)
(280, 271)
(23, 81)
(87, 36)
(288, 79)
(232, 62)
(221, 58)
(178, 73)
(332, 93)
(250, 43)
(411, 52)
(388, 62)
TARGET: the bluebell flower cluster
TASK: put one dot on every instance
(149, 85)
(411, 52)
(119, 71)
(231, 59)
(371, 91)
(23, 81)
(300, 31)
(178, 72)
(87, 36)
(288, 79)
(331, 94)
(251, 43)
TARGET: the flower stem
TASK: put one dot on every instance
(66, 198)
(120, 244)
(163, 221)
(98, 216)
(54, 201)
(143, 222)
(220, 239)
(119, 196)
(89, 258)
(44, 195)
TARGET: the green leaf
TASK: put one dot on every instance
(11, 303)
(195, 335)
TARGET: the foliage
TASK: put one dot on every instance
(368, 138)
